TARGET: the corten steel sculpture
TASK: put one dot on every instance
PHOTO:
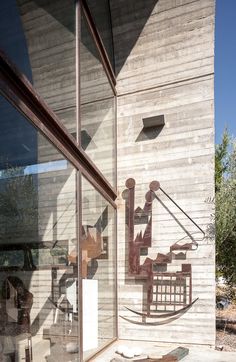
(169, 294)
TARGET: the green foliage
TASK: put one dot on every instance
(221, 159)
(225, 214)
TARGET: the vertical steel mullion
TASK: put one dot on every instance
(80, 281)
(79, 180)
(116, 277)
(115, 143)
(78, 39)
(116, 228)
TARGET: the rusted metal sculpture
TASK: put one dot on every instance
(169, 294)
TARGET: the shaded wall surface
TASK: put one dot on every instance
(164, 56)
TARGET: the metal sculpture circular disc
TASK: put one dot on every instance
(130, 183)
(149, 197)
(154, 185)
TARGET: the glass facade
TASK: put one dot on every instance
(38, 244)
(97, 107)
(98, 269)
(41, 42)
(101, 15)
(57, 210)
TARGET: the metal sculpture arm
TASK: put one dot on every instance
(163, 314)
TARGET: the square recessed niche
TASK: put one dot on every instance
(152, 126)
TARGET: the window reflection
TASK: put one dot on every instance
(102, 17)
(98, 270)
(12, 37)
(38, 246)
(97, 108)
(40, 40)
(12, 258)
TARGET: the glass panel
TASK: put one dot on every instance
(101, 14)
(98, 270)
(38, 246)
(40, 40)
(12, 38)
(97, 108)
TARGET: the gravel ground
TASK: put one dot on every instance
(225, 338)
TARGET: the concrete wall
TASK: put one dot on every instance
(164, 54)
(164, 58)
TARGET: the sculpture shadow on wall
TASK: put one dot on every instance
(166, 294)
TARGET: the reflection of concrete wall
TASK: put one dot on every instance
(18, 149)
(98, 108)
(56, 196)
(57, 220)
(98, 134)
(50, 36)
(168, 70)
(49, 31)
(94, 82)
(99, 215)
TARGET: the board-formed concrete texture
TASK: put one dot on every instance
(164, 56)
(164, 61)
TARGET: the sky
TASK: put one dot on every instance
(225, 68)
